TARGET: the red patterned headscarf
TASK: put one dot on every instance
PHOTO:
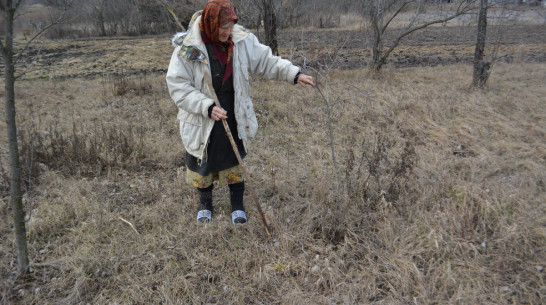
(216, 14)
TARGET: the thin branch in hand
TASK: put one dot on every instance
(328, 69)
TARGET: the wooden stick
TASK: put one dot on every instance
(175, 18)
(162, 3)
(236, 151)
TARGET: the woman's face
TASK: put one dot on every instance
(225, 30)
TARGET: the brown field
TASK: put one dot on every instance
(439, 198)
(99, 57)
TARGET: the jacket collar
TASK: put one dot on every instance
(192, 46)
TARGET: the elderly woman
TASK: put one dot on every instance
(216, 46)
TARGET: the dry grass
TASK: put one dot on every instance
(466, 225)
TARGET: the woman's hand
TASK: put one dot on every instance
(304, 80)
(218, 114)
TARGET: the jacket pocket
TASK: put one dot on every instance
(194, 119)
(190, 130)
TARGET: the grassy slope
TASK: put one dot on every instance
(474, 173)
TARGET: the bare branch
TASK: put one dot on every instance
(31, 64)
(59, 20)
(257, 3)
(394, 15)
(465, 9)
(17, 3)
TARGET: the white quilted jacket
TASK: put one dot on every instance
(190, 92)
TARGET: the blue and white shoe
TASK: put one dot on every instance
(204, 216)
(238, 217)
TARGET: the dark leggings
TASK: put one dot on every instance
(236, 192)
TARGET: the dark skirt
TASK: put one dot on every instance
(220, 154)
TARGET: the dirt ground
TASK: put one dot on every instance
(429, 47)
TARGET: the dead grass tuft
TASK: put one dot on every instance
(122, 85)
(91, 152)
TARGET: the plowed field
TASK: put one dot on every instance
(429, 47)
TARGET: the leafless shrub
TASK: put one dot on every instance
(120, 86)
(384, 170)
(382, 174)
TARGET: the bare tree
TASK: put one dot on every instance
(99, 9)
(481, 67)
(418, 14)
(268, 12)
(11, 58)
(269, 16)
(497, 17)
(8, 8)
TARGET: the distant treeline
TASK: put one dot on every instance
(149, 17)
(145, 17)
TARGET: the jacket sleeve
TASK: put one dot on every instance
(264, 63)
(181, 84)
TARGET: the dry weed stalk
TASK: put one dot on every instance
(129, 223)
(273, 174)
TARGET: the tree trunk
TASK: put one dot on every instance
(270, 26)
(100, 22)
(481, 67)
(15, 166)
(377, 48)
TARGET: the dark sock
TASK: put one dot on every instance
(236, 192)
(205, 198)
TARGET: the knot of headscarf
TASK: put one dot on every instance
(216, 14)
